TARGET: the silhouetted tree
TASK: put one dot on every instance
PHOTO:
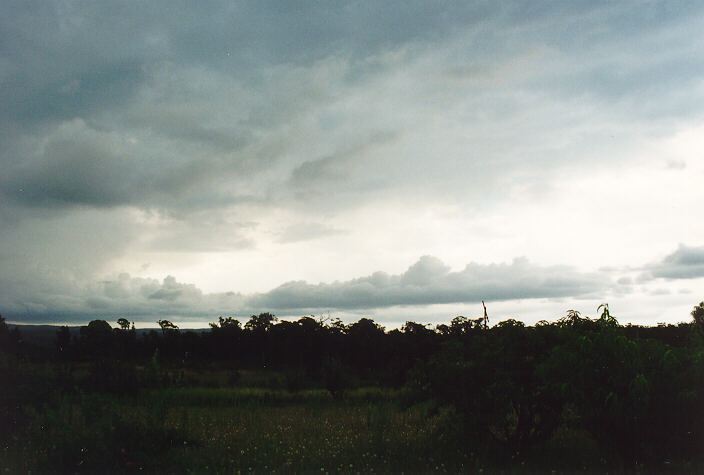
(698, 315)
(226, 324)
(257, 329)
(167, 326)
(4, 335)
(365, 339)
(225, 337)
(606, 319)
(260, 323)
(9, 339)
(97, 337)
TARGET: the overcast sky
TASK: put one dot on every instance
(395, 160)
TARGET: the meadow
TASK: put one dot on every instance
(573, 395)
(228, 430)
(254, 429)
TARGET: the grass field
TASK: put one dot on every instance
(235, 430)
(253, 425)
(578, 396)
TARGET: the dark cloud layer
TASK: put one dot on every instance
(429, 281)
(192, 128)
(685, 263)
(179, 101)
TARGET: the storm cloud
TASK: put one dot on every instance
(239, 145)
(684, 263)
(427, 282)
(155, 106)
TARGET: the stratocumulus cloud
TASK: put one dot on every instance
(256, 146)
(427, 282)
(684, 263)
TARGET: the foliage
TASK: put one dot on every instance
(167, 326)
(311, 394)
(698, 315)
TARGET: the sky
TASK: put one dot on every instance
(398, 160)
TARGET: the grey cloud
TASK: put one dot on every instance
(425, 271)
(676, 165)
(322, 170)
(166, 294)
(198, 240)
(99, 48)
(657, 292)
(141, 298)
(75, 166)
(684, 263)
(628, 58)
(429, 281)
(80, 165)
(217, 95)
(308, 231)
(64, 246)
(426, 282)
(244, 110)
(329, 171)
(171, 290)
(199, 232)
(49, 261)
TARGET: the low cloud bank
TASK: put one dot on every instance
(429, 281)
(685, 263)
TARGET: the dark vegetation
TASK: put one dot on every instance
(319, 395)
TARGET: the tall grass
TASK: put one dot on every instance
(229, 430)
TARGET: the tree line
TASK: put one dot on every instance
(638, 391)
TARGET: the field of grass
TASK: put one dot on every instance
(235, 430)
(207, 423)
(577, 395)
